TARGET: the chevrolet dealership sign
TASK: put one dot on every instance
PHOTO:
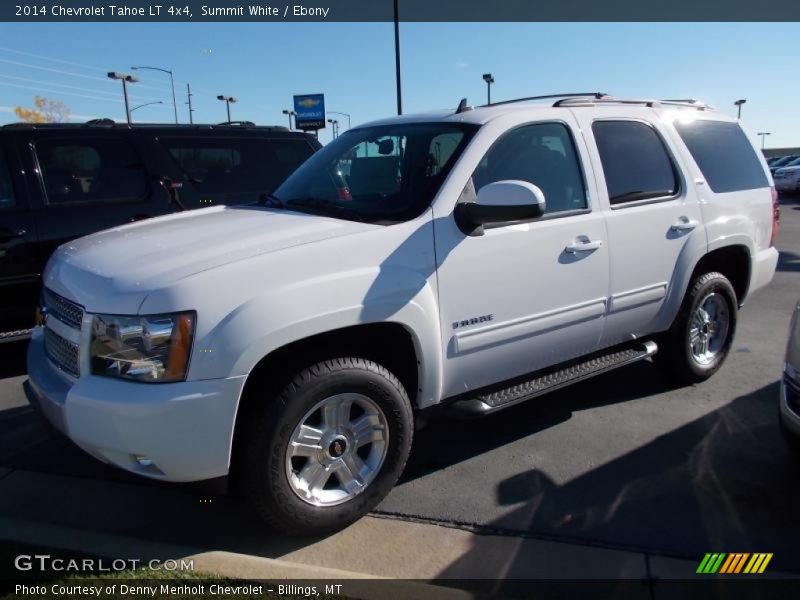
(309, 111)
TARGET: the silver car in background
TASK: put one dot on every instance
(790, 385)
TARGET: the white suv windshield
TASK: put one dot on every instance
(383, 174)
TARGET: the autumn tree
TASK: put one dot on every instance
(45, 111)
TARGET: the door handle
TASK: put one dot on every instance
(685, 224)
(585, 245)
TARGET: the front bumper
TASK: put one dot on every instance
(182, 431)
(790, 408)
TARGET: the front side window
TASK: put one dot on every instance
(542, 154)
(635, 161)
(235, 170)
(382, 174)
(723, 153)
(7, 199)
(96, 171)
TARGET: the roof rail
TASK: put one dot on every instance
(596, 95)
(645, 102)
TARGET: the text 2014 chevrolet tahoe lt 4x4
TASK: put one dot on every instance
(476, 258)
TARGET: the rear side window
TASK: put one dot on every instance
(231, 171)
(635, 162)
(94, 171)
(7, 199)
(724, 154)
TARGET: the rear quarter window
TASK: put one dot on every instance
(724, 154)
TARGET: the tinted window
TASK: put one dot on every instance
(96, 171)
(724, 154)
(635, 161)
(230, 171)
(7, 199)
(541, 154)
(381, 174)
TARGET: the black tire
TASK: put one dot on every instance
(675, 355)
(264, 479)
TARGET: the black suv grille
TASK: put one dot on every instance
(62, 309)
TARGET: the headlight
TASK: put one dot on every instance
(147, 348)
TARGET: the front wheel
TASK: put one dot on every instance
(329, 448)
(700, 338)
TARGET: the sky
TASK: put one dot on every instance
(264, 64)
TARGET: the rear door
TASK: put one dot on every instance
(19, 264)
(652, 212)
(87, 183)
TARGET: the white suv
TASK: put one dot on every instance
(477, 257)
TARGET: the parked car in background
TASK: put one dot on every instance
(782, 162)
(790, 386)
(787, 177)
(63, 181)
(469, 259)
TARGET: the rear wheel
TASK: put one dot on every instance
(700, 338)
(329, 448)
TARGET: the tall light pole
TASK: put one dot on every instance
(172, 84)
(335, 127)
(487, 77)
(126, 79)
(290, 113)
(738, 104)
(227, 100)
(146, 104)
(189, 102)
(763, 135)
(397, 58)
(336, 112)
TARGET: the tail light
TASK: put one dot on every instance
(776, 216)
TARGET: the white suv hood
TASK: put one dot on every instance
(114, 270)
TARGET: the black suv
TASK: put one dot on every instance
(62, 181)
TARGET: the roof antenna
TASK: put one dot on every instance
(462, 106)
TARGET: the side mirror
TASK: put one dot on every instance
(501, 202)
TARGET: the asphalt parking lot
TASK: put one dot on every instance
(624, 461)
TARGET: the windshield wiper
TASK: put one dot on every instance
(270, 200)
(324, 207)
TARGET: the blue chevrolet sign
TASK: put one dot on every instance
(309, 111)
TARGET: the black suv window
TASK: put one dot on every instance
(234, 170)
(91, 171)
(542, 154)
(635, 162)
(7, 199)
(724, 154)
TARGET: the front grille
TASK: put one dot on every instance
(63, 353)
(62, 309)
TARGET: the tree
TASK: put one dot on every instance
(46, 111)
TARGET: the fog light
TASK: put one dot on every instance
(143, 460)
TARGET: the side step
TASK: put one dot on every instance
(15, 336)
(493, 399)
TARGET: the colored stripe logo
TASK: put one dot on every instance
(734, 563)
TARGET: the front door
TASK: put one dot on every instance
(523, 296)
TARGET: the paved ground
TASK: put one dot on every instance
(624, 462)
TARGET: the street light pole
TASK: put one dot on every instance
(191, 110)
(336, 112)
(146, 104)
(738, 104)
(487, 77)
(290, 114)
(397, 58)
(335, 127)
(126, 79)
(763, 135)
(227, 100)
(172, 84)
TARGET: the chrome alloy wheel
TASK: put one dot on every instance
(708, 328)
(337, 450)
